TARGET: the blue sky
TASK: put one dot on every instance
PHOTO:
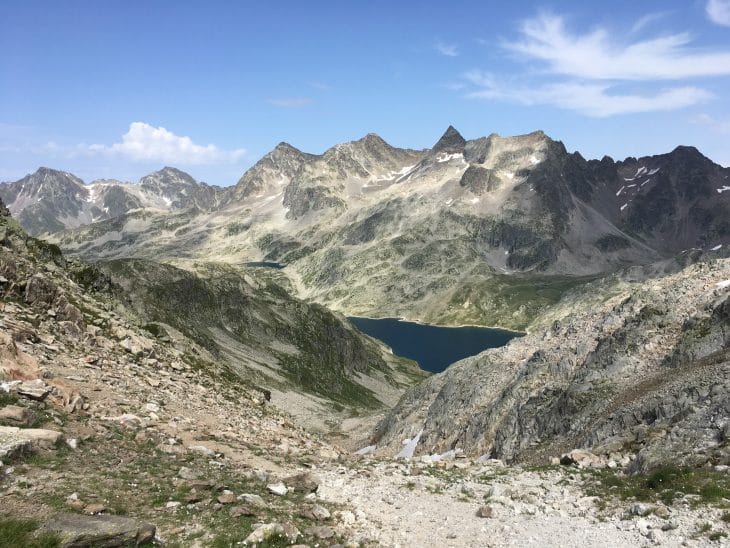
(121, 88)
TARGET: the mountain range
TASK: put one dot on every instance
(486, 231)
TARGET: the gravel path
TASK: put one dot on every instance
(400, 505)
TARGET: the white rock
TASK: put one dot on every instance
(202, 449)
(277, 489)
(253, 500)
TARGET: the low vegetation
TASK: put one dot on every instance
(17, 532)
(666, 484)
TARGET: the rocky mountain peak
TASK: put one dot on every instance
(43, 174)
(689, 155)
(373, 139)
(285, 148)
(168, 175)
(450, 142)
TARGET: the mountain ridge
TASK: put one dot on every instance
(442, 235)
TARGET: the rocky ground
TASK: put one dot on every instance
(112, 435)
(465, 503)
(151, 448)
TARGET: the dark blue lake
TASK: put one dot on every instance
(264, 264)
(432, 346)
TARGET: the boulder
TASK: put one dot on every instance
(304, 483)
(320, 532)
(252, 500)
(486, 512)
(40, 290)
(36, 438)
(82, 531)
(227, 498)
(315, 513)
(582, 459)
(92, 509)
(17, 416)
(238, 511)
(277, 489)
(36, 389)
(269, 531)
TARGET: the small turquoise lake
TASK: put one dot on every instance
(433, 347)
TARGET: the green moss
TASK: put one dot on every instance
(16, 532)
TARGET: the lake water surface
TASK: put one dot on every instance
(432, 346)
(264, 264)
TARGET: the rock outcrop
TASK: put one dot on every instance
(627, 365)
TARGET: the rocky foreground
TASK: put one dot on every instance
(133, 451)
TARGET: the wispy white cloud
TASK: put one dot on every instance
(596, 54)
(645, 20)
(449, 50)
(720, 126)
(454, 86)
(718, 11)
(146, 143)
(290, 102)
(591, 99)
(599, 73)
(321, 86)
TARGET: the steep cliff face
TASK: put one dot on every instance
(640, 365)
(262, 332)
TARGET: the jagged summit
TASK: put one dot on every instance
(284, 147)
(167, 175)
(450, 142)
(50, 200)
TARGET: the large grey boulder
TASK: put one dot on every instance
(79, 531)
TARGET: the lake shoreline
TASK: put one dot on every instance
(421, 322)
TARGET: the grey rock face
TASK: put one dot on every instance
(450, 142)
(479, 180)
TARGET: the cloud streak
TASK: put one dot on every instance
(591, 99)
(448, 50)
(290, 102)
(720, 126)
(594, 55)
(599, 74)
(146, 143)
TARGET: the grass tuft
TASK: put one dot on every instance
(21, 532)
